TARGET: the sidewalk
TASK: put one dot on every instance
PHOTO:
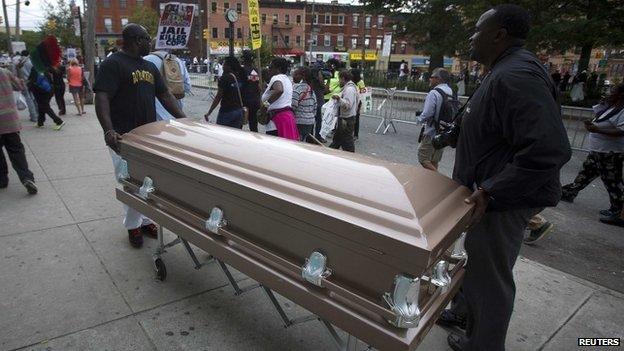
(70, 281)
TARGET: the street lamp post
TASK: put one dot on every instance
(394, 28)
(6, 25)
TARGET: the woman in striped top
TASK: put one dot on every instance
(303, 102)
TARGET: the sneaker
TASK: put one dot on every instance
(613, 220)
(451, 319)
(457, 342)
(150, 230)
(609, 213)
(30, 186)
(539, 233)
(135, 236)
(59, 126)
(39, 125)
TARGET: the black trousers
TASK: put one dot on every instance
(253, 120)
(59, 96)
(343, 136)
(43, 105)
(15, 149)
(607, 166)
(488, 291)
(356, 128)
(318, 119)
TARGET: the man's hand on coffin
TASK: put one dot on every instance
(480, 200)
(112, 140)
(170, 103)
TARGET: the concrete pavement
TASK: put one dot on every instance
(70, 281)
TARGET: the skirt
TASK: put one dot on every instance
(75, 90)
(286, 125)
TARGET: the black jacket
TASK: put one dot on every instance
(512, 141)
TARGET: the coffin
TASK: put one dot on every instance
(368, 245)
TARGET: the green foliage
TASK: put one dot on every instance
(147, 17)
(31, 38)
(266, 54)
(59, 22)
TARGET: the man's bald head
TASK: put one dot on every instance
(136, 40)
(133, 30)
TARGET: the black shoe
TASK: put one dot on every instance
(30, 186)
(538, 233)
(567, 198)
(613, 220)
(451, 319)
(609, 213)
(456, 342)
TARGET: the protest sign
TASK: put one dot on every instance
(254, 24)
(175, 24)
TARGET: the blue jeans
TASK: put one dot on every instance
(232, 119)
(32, 106)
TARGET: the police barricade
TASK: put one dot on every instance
(574, 121)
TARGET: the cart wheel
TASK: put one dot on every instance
(161, 270)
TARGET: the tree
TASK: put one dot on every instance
(435, 26)
(31, 38)
(147, 17)
(60, 23)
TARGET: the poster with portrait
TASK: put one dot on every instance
(174, 28)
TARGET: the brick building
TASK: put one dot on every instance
(112, 15)
(283, 28)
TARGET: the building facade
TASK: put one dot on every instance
(282, 26)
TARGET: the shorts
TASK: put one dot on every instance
(75, 90)
(427, 153)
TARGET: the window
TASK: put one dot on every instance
(264, 38)
(124, 21)
(327, 40)
(108, 24)
(353, 42)
(403, 48)
(286, 40)
(239, 33)
(213, 7)
(341, 20)
(356, 19)
(123, 4)
(298, 19)
(139, 2)
(215, 33)
(275, 40)
(328, 18)
(340, 40)
(380, 19)
(286, 19)
(226, 6)
(393, 48)
(275, 18)
(378, 43)
(106, 4)
(367, 42)
(263, 18)
(315, 18)
(298, 40)
(227, 33)
(367, 22)
(239, 7)
(314, 40)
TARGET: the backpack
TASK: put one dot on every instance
(449, 108)
(172, 75)
(43, 83)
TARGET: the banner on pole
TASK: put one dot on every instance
(76, 15)
(254, 24)
(387, 45)
(174, 28)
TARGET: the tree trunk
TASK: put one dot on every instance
(586, 50)
(436, 60)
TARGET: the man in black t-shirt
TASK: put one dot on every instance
(126, 88)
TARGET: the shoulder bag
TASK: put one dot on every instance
(240, 98)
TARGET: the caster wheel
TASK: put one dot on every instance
(161, 270)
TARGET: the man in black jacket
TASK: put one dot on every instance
(511, 147)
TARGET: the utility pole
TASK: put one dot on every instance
(311, 30)
(200, 11)
(89, 45)
(6, 25)
(17, 13)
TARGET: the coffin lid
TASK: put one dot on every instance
(404, 203)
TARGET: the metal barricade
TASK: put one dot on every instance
(573, 121)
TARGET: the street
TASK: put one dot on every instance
(70, 280)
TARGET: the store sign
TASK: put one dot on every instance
(254, 24)
(368, 56)
(175, 26)
(222, 47)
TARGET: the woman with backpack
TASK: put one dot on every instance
(304, 102)
(40, 84)
(74, 78)
(359, 83)
(231, 111)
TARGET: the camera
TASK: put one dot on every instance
(448, 137)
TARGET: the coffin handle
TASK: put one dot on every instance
(315, 268)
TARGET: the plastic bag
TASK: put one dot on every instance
(330, 116)
(20, 102)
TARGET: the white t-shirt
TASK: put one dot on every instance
(607, 143)
(285, 100)
(402, 70)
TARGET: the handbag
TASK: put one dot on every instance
(240, 98)
(263, 116)
(20, 102)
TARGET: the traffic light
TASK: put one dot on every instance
(206, 33)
